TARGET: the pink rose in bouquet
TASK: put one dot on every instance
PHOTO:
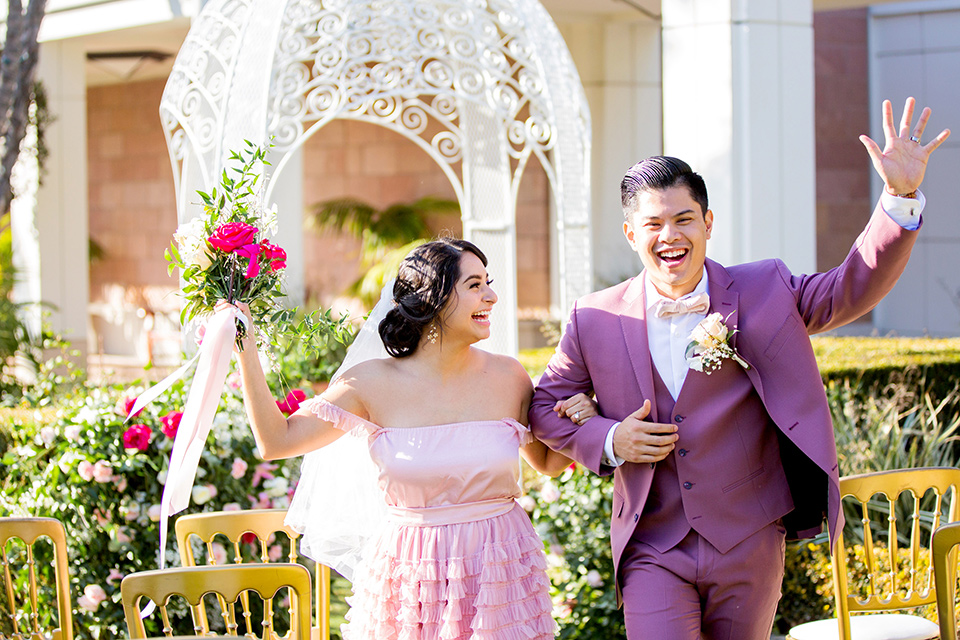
(252, 253)
(170, 423)
(291, 403)
(137, 437)
(230, 236)
(276, 256)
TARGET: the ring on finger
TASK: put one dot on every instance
(576, 417)
(915, 139)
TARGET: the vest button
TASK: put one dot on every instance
(678, 419)
(636, 517)
(687, 485)
(682, 452)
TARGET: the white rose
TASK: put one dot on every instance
(201, 494)
(276, 487)
(192, 243)
(48, 435)
(72, 432)
(550, 492)
(710, 331)
(527, 503)
(154, 513)
(594, 579)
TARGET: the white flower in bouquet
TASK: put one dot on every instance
(191, 239)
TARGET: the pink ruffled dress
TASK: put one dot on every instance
(458, 559)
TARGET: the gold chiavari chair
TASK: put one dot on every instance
(23, 619)
(265, 525)
(886, 545)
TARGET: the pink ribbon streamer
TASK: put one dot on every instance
(213, 361)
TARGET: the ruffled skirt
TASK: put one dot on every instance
(478, 580)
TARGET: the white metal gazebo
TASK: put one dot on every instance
(479, 85)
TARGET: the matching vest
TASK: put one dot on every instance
(725, 504)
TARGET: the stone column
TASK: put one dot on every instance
(619, 65)
(50, 224)
(738, 106)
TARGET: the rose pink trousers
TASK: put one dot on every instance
(694, 592)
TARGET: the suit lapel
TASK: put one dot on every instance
(634, 326)
(725, 300)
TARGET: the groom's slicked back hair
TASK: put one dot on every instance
(656, 174)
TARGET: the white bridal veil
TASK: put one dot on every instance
(338, 507)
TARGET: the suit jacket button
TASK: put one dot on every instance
(636, 517)
(687, 485)
(682, 452)
(678, 419)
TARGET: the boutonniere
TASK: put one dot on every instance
(710, 345)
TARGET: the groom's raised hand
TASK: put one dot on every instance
(903, 160)
(636, 440)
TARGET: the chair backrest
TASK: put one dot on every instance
(19, 566)
(886, 545)
(229, 583)
(264, 524)
(945, 541)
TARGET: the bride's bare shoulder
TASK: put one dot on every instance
(369, 371)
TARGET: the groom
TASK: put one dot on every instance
(713, 468)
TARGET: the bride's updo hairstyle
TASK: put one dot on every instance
(425, 282)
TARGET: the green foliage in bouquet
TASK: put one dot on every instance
(572, 515)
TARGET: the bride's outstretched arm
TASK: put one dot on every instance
(276, 435)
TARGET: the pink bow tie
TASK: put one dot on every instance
(699, 303)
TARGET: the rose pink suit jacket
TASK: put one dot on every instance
(604, 350)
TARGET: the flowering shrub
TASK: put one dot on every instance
(572, 515)
(103, 479)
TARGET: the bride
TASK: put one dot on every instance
(442, 420)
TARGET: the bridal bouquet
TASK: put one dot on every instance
(225, 254)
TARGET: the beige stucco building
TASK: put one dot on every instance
(765, 98)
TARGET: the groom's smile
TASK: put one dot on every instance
(669, 231)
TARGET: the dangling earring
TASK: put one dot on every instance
(432, 334)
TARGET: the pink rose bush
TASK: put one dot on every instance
(137, 437)
(102, 478)
(170, 423)
(93, 595)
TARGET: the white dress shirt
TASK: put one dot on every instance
(668, 337)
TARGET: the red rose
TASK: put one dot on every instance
(232, 235)
(276, 256)
(291, 403)
(171, 422)
(137, 437)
